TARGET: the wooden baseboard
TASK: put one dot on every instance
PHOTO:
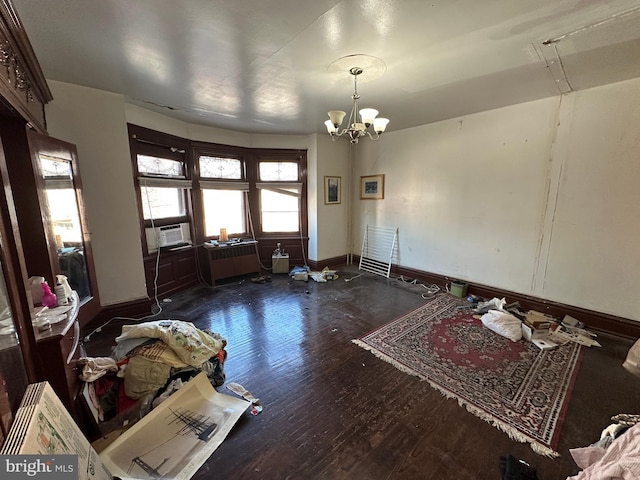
(133, 309)
(593, 320)
(329, 262)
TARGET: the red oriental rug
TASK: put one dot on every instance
(518, 388)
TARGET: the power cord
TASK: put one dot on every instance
(431, 290)
(352, 278)
(87, 338)
(253, 233)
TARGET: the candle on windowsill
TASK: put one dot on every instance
(223, 235)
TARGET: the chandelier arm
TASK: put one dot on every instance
(373, 136)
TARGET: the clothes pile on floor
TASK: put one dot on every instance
(150, 361)
(616, 455)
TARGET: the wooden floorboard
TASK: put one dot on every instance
(332, 410)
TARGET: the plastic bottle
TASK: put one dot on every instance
(61, 294)
(49, 299)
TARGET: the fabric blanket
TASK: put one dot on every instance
(621, 460)
(191, 345)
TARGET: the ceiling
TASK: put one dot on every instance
(263, 66)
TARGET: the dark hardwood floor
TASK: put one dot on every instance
(334, 411)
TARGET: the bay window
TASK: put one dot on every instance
(251, 193)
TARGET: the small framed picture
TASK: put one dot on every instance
(332, 187)
(372, 187)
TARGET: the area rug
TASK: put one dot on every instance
(518, 388)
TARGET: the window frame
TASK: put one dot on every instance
(201, 149)
(143, 141)
(283, 156)
(149, 142)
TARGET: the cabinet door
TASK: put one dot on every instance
(17, 342)
(65, 227)
(13, 375)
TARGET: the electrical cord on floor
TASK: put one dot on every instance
(431, 290)
(352, 278)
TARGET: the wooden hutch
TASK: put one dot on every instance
(29, 245)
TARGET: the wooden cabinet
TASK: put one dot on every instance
(29, 245)
(170, 272)
(47, 171)
(58, 353)
(23, 95)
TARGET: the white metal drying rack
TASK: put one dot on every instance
(378, 248)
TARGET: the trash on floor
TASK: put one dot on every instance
(238, 389)
(564, 333)
(261, 279)
(243, 392)
(324, 275)
(299, 273)
(304, 273)
(493, 304)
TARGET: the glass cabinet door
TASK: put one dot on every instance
(13, 375)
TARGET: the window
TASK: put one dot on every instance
(163, 187)
(220, 167)
(61, 198)
(280, 192)
(223, 194)
(250, 192)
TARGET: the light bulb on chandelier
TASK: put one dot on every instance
(356, 129)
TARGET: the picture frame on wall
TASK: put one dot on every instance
(372, 187)
(332, 190)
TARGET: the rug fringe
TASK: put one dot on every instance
(513, 434)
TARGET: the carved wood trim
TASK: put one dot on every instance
(22, 83)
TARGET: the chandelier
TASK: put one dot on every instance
(356, 129)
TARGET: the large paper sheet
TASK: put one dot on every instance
(177, 437)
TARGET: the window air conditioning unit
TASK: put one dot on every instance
(170, 235)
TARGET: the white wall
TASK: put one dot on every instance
(537, 198)
(332, 220)
(593, 255)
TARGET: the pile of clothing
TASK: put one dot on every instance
(150, 361)
(616, 455)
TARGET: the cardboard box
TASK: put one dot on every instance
(537, 319)
(529, 333)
